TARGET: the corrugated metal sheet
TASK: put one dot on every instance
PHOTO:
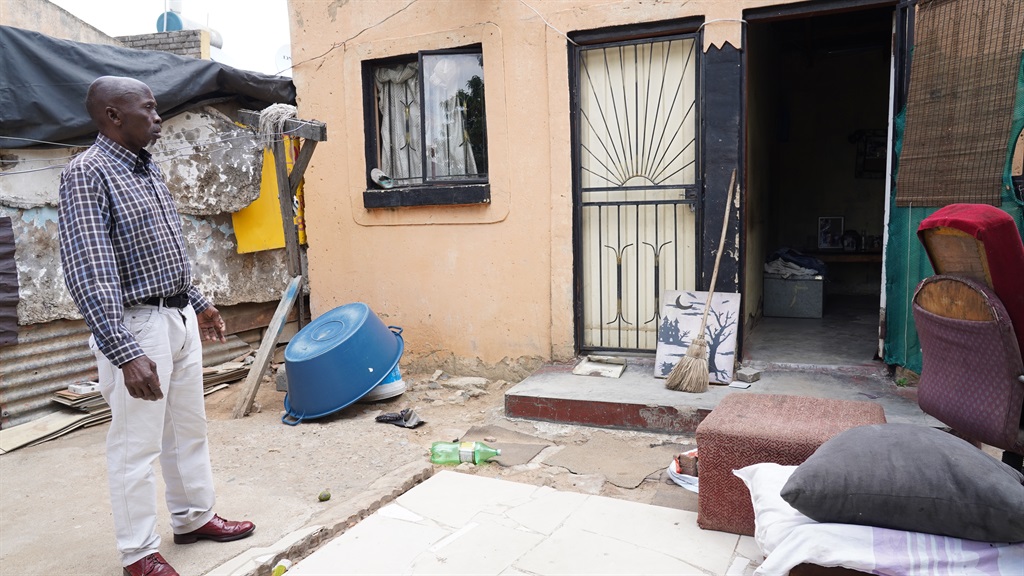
(50, 356)
(215, 353)
(46, 358)
(8, 285)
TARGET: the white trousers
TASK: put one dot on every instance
(173, 428)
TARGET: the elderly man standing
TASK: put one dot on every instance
(126, 267)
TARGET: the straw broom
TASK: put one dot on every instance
(691, 373)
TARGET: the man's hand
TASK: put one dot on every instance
(211, 325)
(141, 380)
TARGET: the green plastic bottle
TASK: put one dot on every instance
(458, 452)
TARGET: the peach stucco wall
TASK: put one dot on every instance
(480, 284)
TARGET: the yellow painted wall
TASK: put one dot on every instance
(484, 283)
(259, 226)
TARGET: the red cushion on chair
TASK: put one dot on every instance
(998, 233)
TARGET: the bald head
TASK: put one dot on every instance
(110, 91)
(124, 110)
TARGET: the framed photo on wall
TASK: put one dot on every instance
(830, 232)
(872, 150)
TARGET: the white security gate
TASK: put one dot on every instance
(637, 179)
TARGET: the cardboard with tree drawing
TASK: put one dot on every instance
(681, 313)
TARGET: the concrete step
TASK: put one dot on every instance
(639, 401)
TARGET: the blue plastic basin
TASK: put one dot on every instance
(336, 359)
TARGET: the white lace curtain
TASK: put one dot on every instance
(448, 150)
(398, 90)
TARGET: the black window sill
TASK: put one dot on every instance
(427, 196)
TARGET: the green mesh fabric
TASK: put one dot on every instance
(1016, 126)
(906, 262)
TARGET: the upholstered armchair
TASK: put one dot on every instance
(972, 377)
(970, 319)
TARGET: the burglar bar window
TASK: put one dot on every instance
(428, 131)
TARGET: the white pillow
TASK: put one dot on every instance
(796, 539)
(774, 518)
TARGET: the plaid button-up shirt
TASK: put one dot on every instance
(120, 242)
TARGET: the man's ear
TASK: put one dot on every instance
(113, 115)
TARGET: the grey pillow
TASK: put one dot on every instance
(912, 478)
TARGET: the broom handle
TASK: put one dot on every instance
(718, 257)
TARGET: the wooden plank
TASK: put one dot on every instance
(90, 419)
(286, 199)
(259, 366)
(310, 129)
(301, 162)
(25, 434)
(291, 231)
(64, 422)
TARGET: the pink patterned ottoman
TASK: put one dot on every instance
(747, 429)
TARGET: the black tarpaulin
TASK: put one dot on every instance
(43, 82)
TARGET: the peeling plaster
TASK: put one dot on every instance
(29, 177)
(42, 295)
(223, 275)
(211, 165)
(332, 8)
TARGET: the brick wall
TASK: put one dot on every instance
(194, 43)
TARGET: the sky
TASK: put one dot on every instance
(255, 32)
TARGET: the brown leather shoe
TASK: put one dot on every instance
(152, 565)
(218, 530)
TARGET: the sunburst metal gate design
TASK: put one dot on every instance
(637, 181)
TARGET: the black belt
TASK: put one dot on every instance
(176, 301)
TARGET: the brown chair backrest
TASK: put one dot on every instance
(971, 361)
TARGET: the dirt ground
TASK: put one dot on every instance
(450, 406)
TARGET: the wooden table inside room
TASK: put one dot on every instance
(841, 257)
(850, 272)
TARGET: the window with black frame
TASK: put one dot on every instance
(426, 134)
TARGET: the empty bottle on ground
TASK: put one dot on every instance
(458, 452)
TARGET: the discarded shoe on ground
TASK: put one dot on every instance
(406, 418)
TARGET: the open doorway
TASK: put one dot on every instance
(818, 92)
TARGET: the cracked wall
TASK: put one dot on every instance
(212, 167)
(211, 164)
